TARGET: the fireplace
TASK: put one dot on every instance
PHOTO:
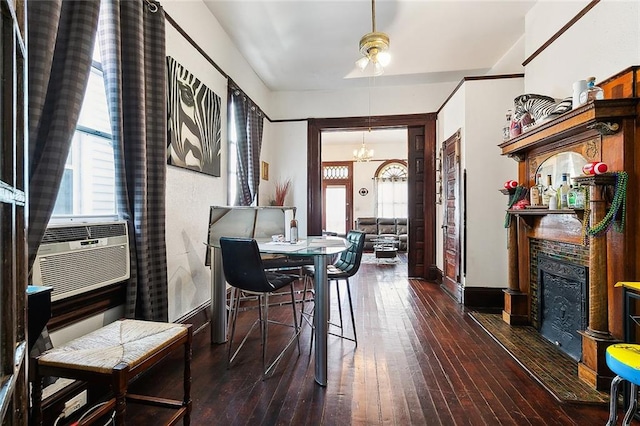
(561, 300)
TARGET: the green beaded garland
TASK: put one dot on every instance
(619, 201)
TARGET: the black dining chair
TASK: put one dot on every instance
(244, 271)
(343, 268)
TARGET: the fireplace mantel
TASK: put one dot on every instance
(609, 131)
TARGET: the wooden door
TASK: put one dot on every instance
(13, 206)
(337, 178)
(416, 202)
(451, 219)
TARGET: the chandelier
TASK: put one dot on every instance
(362, 154)
(373, 47)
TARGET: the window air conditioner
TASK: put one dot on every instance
(74, 259)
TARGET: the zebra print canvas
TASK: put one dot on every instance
(194, 122)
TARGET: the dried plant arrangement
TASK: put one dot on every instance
(282, 189)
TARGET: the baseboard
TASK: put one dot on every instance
(435, 274)
(484, 297)
(199, 317)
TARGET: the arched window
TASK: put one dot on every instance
(391, 189)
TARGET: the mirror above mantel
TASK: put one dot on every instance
(564, 162)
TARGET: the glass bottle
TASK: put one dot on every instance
(563, 191)
(535, 193)
(592, 92)
(549, 196)
(294, 231)
(576, 197)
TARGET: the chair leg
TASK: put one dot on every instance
(305, 288)
(613, 401)
(295, 317)
(264, 328)
(267, 370)
(339, 307)
(233, 329)
(353, 320)
(235, 302)
(633, 405)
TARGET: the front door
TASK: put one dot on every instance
(451, 220)
(337, 193)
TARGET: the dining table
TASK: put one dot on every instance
(320, 248)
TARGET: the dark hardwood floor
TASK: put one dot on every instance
(420, 360)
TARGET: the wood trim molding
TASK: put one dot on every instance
(314, 177)
(477, 78)
(76, 308)
(483, 297)
(199, 317)
(561, 31)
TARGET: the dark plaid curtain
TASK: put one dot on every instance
(61, 39)
(248, 125)
(132, 46)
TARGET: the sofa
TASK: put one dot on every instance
(375, 227)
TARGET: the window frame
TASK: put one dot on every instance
(378, 177)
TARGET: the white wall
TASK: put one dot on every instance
(190, 194)
(603, 42)
(355, 102)
(288, 147)
(450, 119)
(486, 238)
(477, 109)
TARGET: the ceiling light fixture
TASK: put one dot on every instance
(363, 154)
(374, 47)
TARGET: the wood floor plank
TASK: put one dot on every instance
(420, 360)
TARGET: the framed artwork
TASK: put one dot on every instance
(264, 170)
(194, 122)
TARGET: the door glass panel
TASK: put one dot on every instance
(336, 208)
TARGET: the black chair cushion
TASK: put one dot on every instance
(280, 280)
(243, 267)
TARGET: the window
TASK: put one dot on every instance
(88, 186)
(391, 190)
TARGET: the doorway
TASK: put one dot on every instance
(421, 137)
(337, 196)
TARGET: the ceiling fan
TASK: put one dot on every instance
(374, 47)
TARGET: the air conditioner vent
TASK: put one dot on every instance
(83, 232)
(106, 265)
(74, 259)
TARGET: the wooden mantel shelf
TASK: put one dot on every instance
(571, 123)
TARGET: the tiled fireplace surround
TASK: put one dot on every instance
(571, 255)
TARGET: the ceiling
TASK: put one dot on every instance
(313, 44)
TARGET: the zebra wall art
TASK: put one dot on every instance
(194, 122)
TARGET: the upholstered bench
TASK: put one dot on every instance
(114, 355)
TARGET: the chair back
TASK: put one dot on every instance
(243, 266)
(349, 260)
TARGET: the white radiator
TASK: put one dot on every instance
(74, 259)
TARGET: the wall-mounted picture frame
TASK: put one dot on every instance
(194, 127)
(264, 170)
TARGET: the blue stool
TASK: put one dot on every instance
(624, 360)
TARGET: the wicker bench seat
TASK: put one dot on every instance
(113, 355)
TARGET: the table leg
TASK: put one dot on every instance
(218, 298)
(321, 318)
